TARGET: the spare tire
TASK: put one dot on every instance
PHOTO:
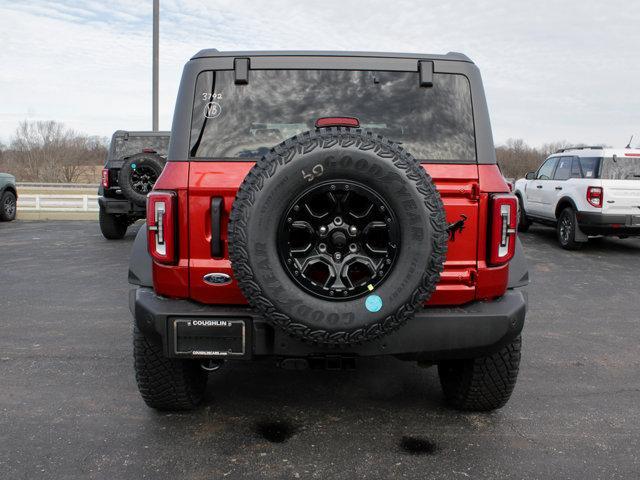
(138, 175)
(337, 236)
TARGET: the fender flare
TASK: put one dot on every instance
(565, 199)
(140, 262)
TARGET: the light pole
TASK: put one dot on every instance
(155, 75)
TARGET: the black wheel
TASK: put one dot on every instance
(523, 221)
(8, 206)
(165, 383)
(337, 236)
(113, 227)
(482, 383)
(138, 175)
(566, 230)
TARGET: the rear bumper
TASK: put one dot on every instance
(608, 224)
(120, 206)
(434, 334)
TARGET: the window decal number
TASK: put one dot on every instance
(212, 110)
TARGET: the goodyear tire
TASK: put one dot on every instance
(166, 384)
(138, 175)
(484, 383)
(345, 166)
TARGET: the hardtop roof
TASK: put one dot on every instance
(212, 52)
(142, 133)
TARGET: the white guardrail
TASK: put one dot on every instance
(57, 203)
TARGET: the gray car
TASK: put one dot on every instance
(8, 197)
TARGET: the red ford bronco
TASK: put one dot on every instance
(317, 207)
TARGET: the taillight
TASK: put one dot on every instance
(504, 223)
(105, 177)
(161, 225)
(594, 196)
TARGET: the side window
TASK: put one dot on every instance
(546, 170)
(590, 166)
(563, 171)
(576, 172)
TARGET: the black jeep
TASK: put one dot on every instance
(134, 163)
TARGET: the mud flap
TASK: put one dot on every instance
(580, 236)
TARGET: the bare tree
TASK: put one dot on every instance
(516, 158)
(49, 152)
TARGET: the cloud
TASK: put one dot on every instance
(552, 70)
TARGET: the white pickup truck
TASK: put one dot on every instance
(583, 192)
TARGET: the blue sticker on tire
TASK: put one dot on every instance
(373, 303)
(133, 165)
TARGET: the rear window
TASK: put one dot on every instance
(232, 121)
(126, 146)
(621, 168)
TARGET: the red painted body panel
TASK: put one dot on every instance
(464, 190)
(458, 187)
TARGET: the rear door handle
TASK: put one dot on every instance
(216, 214)
(558, 188)
(538, 186)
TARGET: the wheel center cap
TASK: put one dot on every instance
(339, 239)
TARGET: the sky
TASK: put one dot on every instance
(552, 70)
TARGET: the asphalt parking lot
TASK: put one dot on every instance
(69, 407)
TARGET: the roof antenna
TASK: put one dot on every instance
(629, 144)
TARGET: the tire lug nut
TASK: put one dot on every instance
(388, 261)
(337, 221)
(322, 247)
(338, 256)
(296, 207)
(353, 230)
(322, 230)
(333, 187)
(353, 248)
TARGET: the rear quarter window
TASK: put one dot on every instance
(232, 121)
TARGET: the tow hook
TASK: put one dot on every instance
(211, 365)
(456, 227)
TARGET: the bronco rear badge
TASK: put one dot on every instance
(217, 279)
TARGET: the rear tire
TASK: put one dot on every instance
(483, 383)
(523, 221)
(8, 206)
(113, 227)
(166, 384)
(566, 230)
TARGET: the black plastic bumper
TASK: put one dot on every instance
(602, 224)
(120, 206)
(435, 333)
